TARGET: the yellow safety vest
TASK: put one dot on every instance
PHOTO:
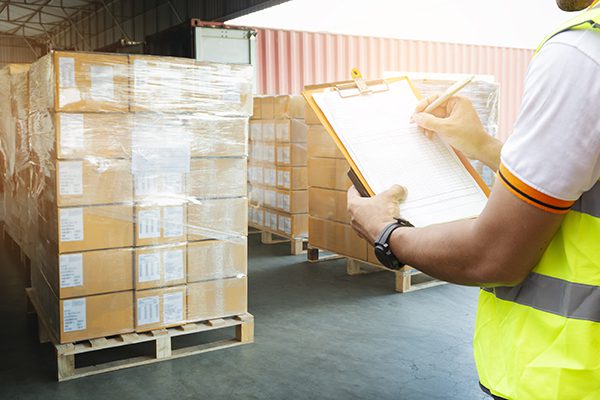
(541, 339)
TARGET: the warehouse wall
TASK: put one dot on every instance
(135, 19)
(288, 60)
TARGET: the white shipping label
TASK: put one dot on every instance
(71, 224)
(172, 307)
(282, 132)
(173, 221)
(283, 155)
(260, 217)
(71, 270)
(149, 267)
(71, 131)
(283, 179)
(145, 184)
(70, 177)
(285, 225)
(270, 176)
(268, 131)
(283, 201)
(271, 198)
(148, 224)
(66, 74)
(173, 263)
(102, 82)
(68, 96)
(270, 220)
(270, 153)
(148, 310)
(74, 315)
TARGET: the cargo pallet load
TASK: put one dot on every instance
(277, 171)
(138, 176)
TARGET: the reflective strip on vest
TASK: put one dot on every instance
(553, 295)
(589, 202)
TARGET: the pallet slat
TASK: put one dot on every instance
(162, 338)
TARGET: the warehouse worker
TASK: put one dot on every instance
(535, 249)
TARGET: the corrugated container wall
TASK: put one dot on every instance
(288, 60)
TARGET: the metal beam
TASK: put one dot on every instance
(31, 16)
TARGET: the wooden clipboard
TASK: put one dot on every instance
(355, 175)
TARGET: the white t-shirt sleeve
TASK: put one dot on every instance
(553, 155)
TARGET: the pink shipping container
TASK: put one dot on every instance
(288, 60)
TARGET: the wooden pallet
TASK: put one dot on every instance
(407, 279)
(297, 245)
(66, 354)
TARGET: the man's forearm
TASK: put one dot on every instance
(449, 252)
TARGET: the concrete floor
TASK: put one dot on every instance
(320, 334)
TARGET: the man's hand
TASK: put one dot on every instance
(457, 122)
(369, 215)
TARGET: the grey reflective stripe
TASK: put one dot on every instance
(589, 202)
(553, 295)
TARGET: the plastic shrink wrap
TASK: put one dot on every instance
(138, 173)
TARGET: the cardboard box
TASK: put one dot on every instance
(294, 202)
(213, 136)
(91, 182)
(328, 204)
(256, 216)
(217, 177)
(217, 259)
(217, 219)
(267, 107)
(288, 106)
(328, 173)
(267, 130)
(82, 318)
(257, 108)
(153, 186)
(292, 178)
(291, 155)
(88, 273)
(80, 82)
(264, 175)
(337, 238)
(256, 127)
(160, 223)
(76, 229)
(320, 144)
(291, 131)
(176, 85)
(160, 308)
(217, 299)
(160, 266)
(292, 225)
(310, 118)
(262, 152)
(89, 135)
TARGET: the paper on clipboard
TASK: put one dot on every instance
(387, 149)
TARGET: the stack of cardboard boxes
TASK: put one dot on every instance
(15, 152)
(143, 212)
(329, 223)
(277, 171)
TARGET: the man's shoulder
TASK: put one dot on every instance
(586, 42)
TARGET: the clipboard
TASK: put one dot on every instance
(359, 87)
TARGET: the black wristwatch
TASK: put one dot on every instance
(383, 251)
